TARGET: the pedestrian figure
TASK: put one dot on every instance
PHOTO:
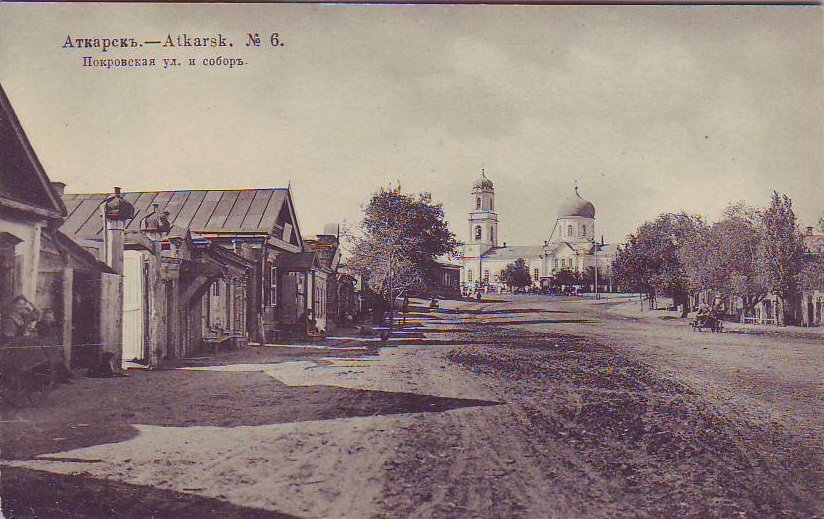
(19, 319)
(48, 335)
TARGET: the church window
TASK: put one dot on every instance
(478, 204)
(563, 263)
(569, 230)
(470, 276)
(477, 232)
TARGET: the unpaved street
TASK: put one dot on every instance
(518, 406)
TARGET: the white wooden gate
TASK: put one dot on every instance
(133, 306)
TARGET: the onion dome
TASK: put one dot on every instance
(576, 206)
(482, 183)
(118, 208)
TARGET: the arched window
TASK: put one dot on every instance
(477, 233)
(556, 264)
(478, 204)
(563, 263)
(583, 230)
(569, 230)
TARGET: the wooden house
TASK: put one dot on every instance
(41, 263)
(231, 230)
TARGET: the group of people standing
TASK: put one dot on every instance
(31, 338)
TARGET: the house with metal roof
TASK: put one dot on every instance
(259, 226)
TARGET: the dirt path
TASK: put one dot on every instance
(528, 408)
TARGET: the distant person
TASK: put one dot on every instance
(405, 308)
(48, 334)
(718, 307)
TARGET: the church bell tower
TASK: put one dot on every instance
(483, 221)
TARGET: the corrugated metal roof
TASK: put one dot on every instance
(231, 211)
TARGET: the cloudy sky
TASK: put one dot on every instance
(650, 109)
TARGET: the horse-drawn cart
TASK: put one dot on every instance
(709, 321)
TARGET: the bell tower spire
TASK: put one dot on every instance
(483, 221)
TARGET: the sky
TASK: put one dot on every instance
(648, 109)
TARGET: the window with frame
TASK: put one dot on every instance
(583, 230)
(477, 232)
(486, 276)
(470, 275)
(273, 285)
(556, 264)
(569, 230)
(535, 274)
(478, 204)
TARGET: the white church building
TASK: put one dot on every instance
(571, 244)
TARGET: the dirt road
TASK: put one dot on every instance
(528, 407)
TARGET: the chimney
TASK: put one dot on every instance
(59, 187)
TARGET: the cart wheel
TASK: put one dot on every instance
(24, 389)
(13, 389)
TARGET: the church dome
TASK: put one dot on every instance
(576, 206)
(482, 182)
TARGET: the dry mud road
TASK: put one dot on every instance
(517, 407)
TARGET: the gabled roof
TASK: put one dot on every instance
(298, 262)
(24, 184)
(239, 212)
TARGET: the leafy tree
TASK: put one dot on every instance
(399, 239)
(725, 256)
(780, 254)
(564, 277)
(651, 260)
(517, 274)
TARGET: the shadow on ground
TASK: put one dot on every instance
(470, 311)
(98, 411)
(29, 494)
